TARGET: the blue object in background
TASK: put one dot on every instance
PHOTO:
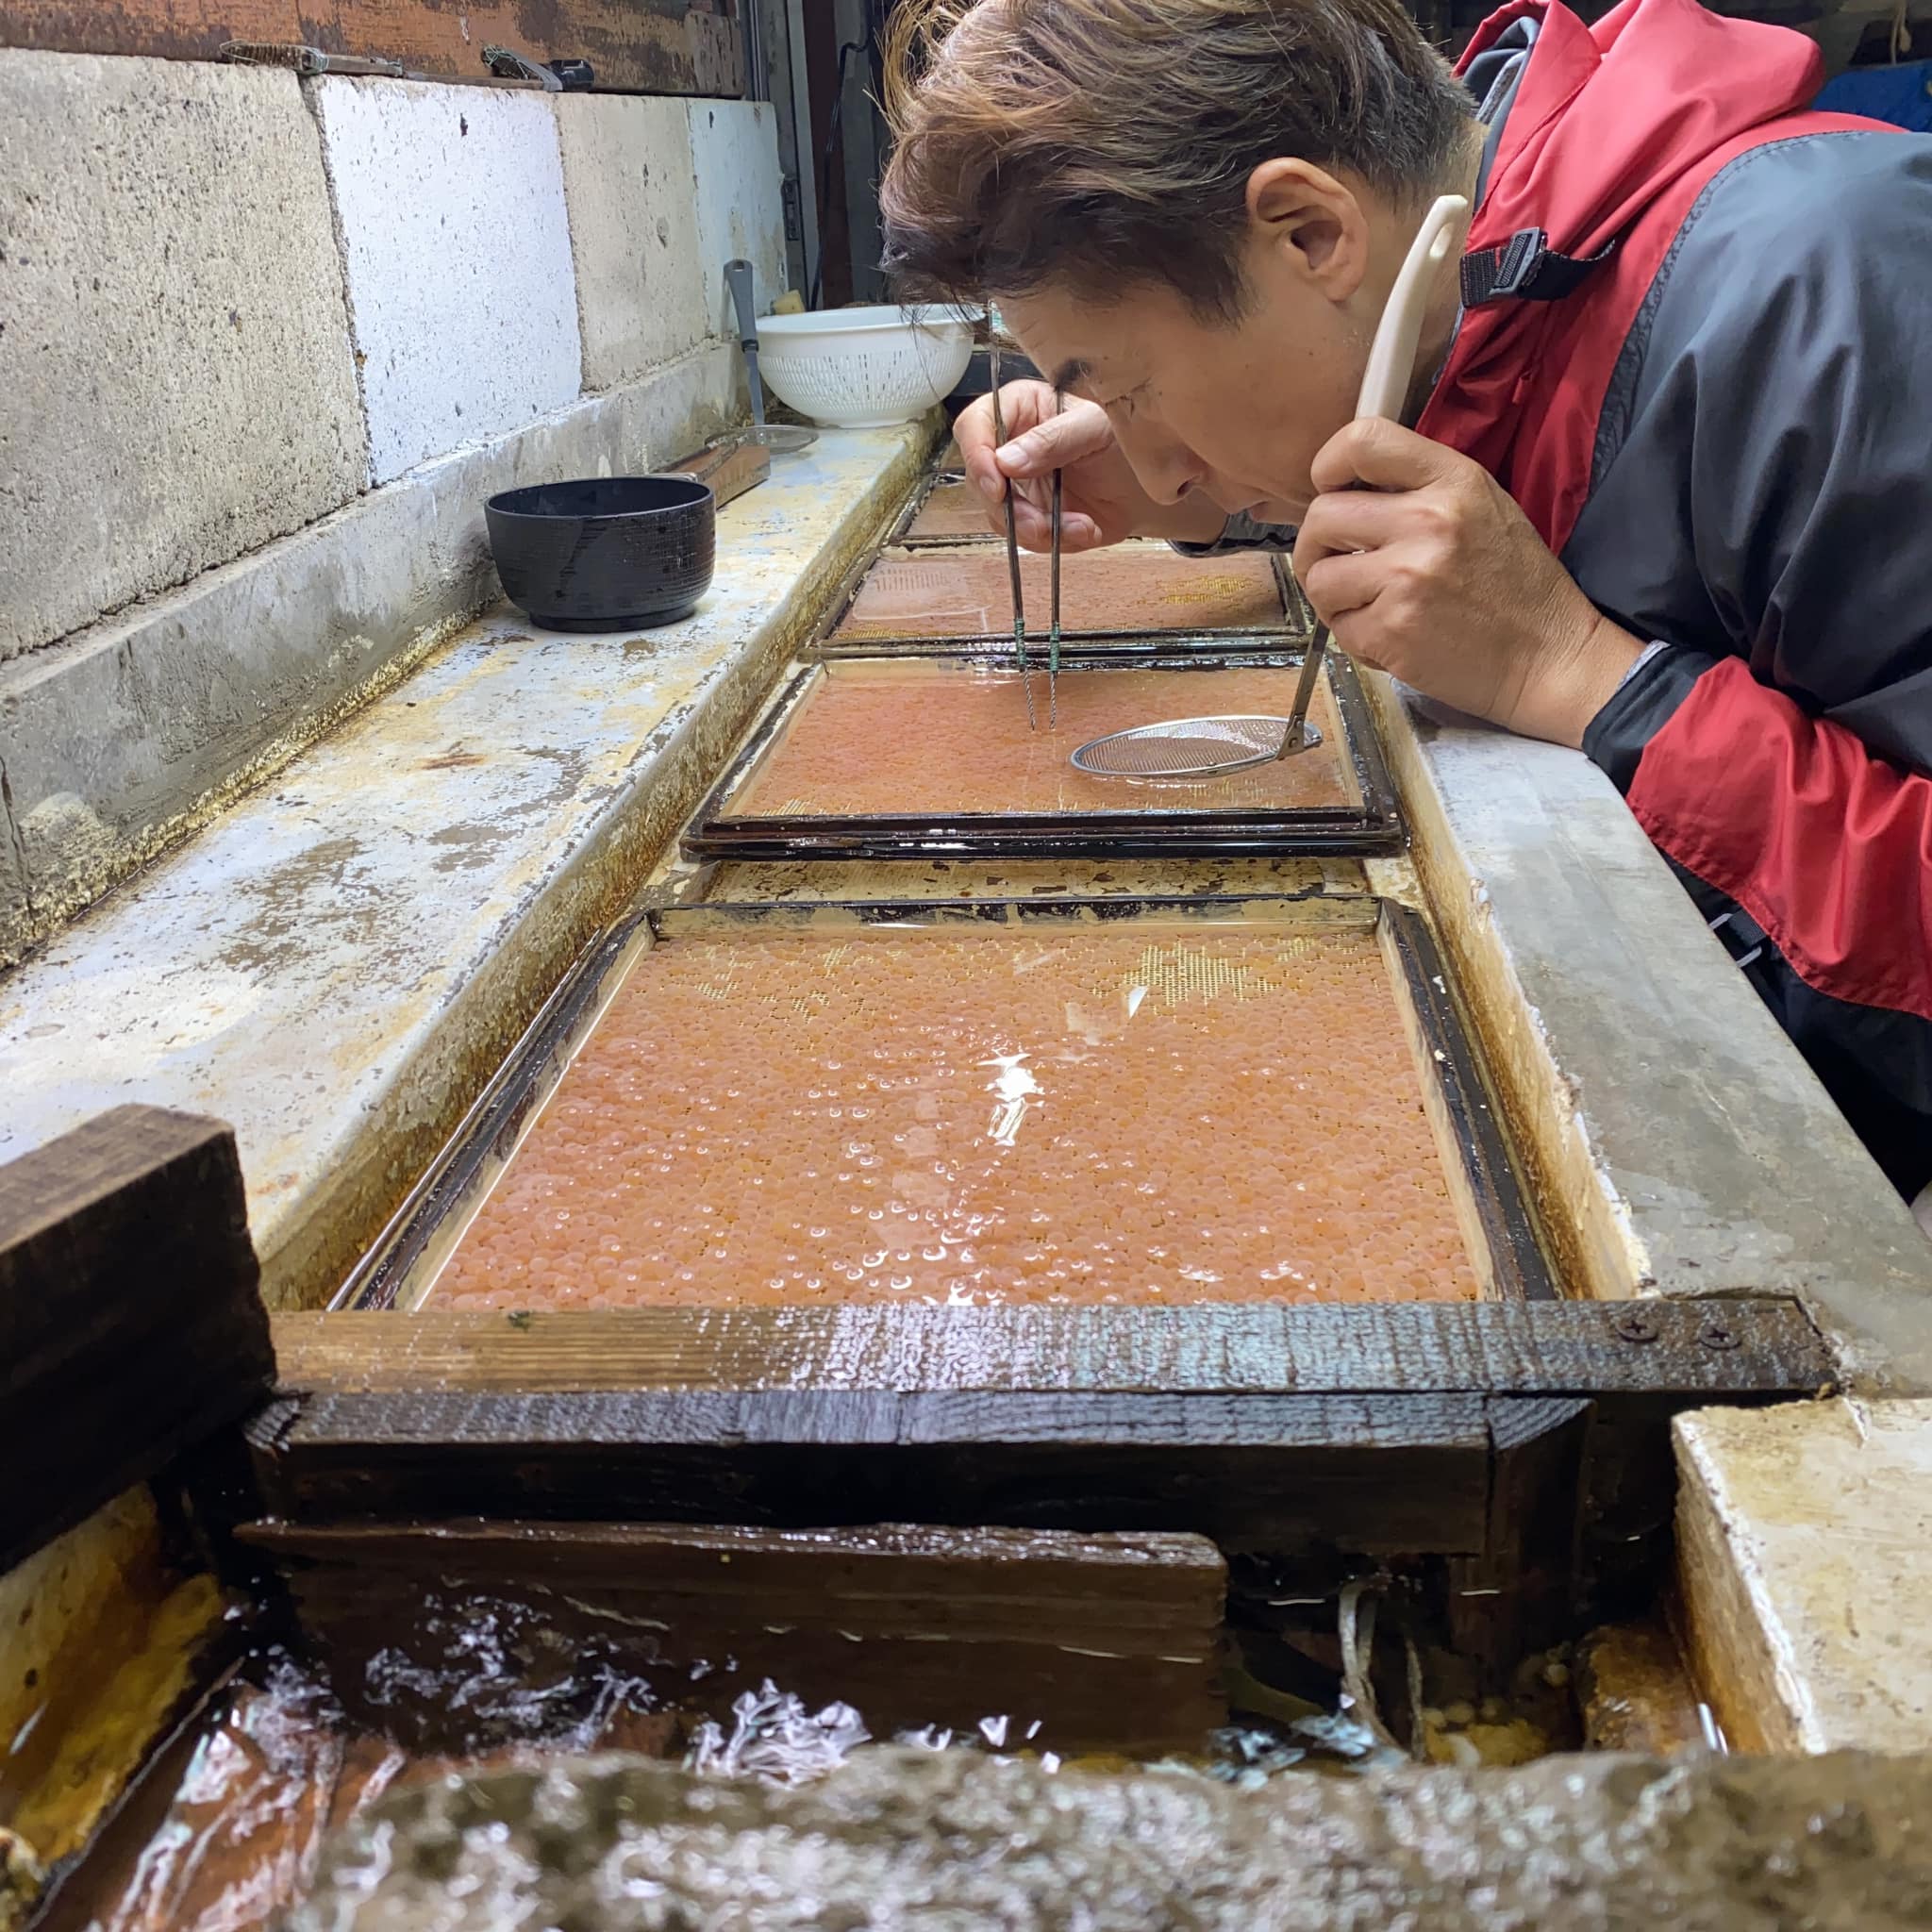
(1901, 95)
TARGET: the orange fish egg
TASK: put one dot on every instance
(1146, 1114)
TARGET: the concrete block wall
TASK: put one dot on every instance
(462, 298)
(176, 379)
(265, 346)
(734, 160)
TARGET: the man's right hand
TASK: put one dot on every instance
(1101, 501)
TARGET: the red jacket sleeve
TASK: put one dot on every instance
(1826, 847)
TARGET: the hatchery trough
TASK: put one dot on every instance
(486, 1503)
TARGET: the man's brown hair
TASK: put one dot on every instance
(1107, 141)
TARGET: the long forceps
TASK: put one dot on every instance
(999, 431)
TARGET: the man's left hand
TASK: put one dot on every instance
(1422, 564)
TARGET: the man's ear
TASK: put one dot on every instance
(1308, 226)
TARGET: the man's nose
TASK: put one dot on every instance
(1164, 467)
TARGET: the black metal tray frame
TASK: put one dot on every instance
(1293, 627)
(900, 536)
(1154, 829)
(1498, 1219)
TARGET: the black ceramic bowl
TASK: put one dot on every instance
(604, 553)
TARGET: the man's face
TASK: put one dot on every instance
(1233, 411)
(1236, 410)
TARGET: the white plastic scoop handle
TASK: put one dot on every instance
(1391, 356)
(1384, 389)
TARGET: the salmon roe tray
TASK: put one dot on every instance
(1157, 1114)
(1130, 590)
(951, 511)
(931, 739)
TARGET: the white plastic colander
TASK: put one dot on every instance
(865, 368)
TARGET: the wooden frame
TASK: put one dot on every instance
(130, 1325)
(1498, 1221)
(1372, 825)
(1518, 1455)
(1101, 1641)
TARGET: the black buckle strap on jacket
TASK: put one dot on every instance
(1528, 267)
(1743, 938)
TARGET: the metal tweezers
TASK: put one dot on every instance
(1053, 642)
(999, 431)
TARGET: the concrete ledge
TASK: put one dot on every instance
(337, 964)
(1679, 1133)
(125, 737)
(1804, 1570)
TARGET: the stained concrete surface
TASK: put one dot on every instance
(175, 381)
(642, 282)
(1805, 1558)
(336, 964)
(734, 150)
(463, 295)
(924, 1842)
(119, 739)
(1684, 1141)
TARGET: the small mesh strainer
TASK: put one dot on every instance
(1186, 749)
(1213, 747)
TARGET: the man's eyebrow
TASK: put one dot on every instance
(1072, 370)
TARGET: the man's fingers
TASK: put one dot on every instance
(1338, 585)
(974, 433)
(1033, 526)
(1055, 442)
(1373, 454)
(1348, 519)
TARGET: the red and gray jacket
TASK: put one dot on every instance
(1696, 347)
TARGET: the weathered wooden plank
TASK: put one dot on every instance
(973, 1584)
(1378, 1474)
(637, 46)
(1515, 1595)
(1731, 1348)
(130, 1325)
(885, 1419)
(1102, 1642)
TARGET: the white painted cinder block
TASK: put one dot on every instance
(455, 235)
(734, 148)
(642, 296)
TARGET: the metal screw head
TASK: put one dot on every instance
(1716, 1335)
(1635, 1324)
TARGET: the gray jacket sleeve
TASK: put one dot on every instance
(1242, 533)
(1763, 471)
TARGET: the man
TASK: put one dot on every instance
(1668, 495)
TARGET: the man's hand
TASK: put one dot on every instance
(1421, 563)
(1100, 501)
